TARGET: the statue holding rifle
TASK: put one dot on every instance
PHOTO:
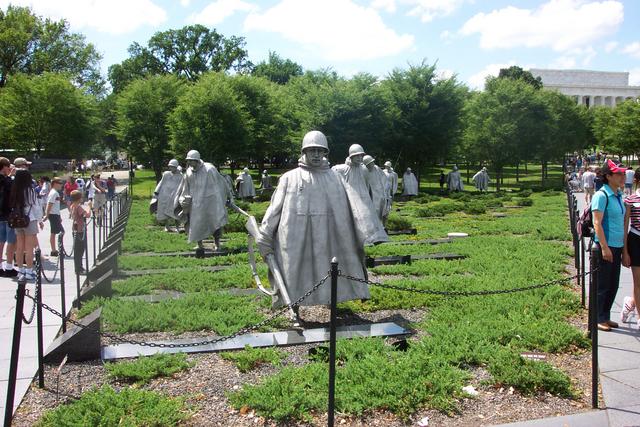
(308, 222)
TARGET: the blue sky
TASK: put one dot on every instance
(471, 38)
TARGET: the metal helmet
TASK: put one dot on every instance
(264, 171)
(387, 164)
(245, 170)
(315, 139)
(367, 159)
(408, 169)
(174, 163)
(355, 149)
(193, 155)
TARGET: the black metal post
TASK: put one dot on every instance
(100, 225)
(38, 303)
(86, 250)
(332, 342)
(63, 298)
(110, 215)
(94, 237)
(75, 236)
(593, 323)
(583, 272)
(15, 353)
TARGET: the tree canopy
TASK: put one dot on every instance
(32, 45)
(277, 70)
(187, 52)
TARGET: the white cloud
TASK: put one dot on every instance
(108, 16)
(426, 10)
(219, 10)
(632, 49)
(185, 3)
(559, 24)
(563, 62)
(338, 30)
(610, 46)
(477, 80)
(634, 77)
(386, 5)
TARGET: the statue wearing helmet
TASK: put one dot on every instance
(308, 222)
(354, 177)
(481, 180)
(203, 196)
(409, 184)
(392, 176)
(380, 188)
(265, 181)
(244, 183)
(454, 180)
(165, 194)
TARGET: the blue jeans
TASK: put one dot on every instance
(608, 282)
(7, 234)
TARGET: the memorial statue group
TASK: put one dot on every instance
(316, 212)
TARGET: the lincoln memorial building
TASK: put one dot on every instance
(590, 88)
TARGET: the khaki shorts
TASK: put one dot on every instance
(590, 191)
(29, 230)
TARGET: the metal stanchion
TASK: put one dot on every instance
(110, 215)
(86, 249)
(75, 236)
(583, 272)
(593, 323)
(63, 299)
(38, 303)
(332, 342)
(100, 225)
(94, 237)
(15, 353)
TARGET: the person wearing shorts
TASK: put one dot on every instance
(631, 252)
(52, 213)
(628, 181)
(24, 198)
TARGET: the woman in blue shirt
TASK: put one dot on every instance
(608, 221)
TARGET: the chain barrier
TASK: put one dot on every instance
(464, 293)
(242, 331)
(55, 273)
(33, 309)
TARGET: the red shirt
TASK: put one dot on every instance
(69, 187)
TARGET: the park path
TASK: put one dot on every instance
(619, 363)
(51, 292)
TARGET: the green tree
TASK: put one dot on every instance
(210, 118)
(516, 73)
(618, 129)
(277, 70)
(32, 45)
(187, 52)
(426, 114)
(48, 114)
(266, 127)
(501, 122)
(142, 111)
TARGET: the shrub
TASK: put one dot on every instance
(475, 207)
(461, 196)
(426, 198)
(493, 203)
(107, 407)
(524, 202)
(144, 369)
(440, 208)
(247, 359)
(397, 222)
(525, 193)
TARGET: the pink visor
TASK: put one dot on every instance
(615, 168)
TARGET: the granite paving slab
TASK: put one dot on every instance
(267, 339)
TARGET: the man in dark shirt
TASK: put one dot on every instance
(7, 234)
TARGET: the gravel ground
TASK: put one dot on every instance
(205, 385)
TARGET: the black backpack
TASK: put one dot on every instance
(585, 222)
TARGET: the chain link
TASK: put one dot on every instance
(464, 293)
(242, 331)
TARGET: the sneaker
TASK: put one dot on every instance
(11, 273)
(30, 276)
(3, 273)
(55, 253)
(627, 309)
(21, 276)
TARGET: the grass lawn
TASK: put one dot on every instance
(455, 336)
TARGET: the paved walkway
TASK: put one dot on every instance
(51, 295)
(619, 363)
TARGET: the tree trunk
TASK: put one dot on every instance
(498, 178)
(517, 172)
(468, 172)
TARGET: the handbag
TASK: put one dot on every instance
(17, 219)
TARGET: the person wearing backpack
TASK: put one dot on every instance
(7, 234)
(631, 252)
(608, 209)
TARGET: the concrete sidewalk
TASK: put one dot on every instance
(619, 363)
(51, 295)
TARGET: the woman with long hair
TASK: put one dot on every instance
(24, 198)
